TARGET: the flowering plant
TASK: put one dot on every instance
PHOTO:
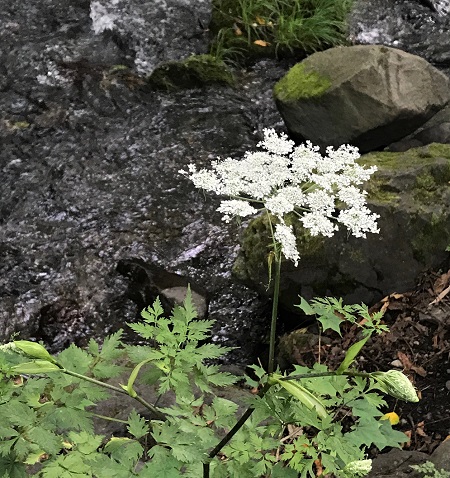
(283, 179)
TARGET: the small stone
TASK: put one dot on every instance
(397, 363)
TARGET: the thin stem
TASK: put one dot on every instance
(246, 415)
(273, 324)
(350, 373)
(158, 414)
(103, 417)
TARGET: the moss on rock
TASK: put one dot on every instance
(301, 82)
(194, 72)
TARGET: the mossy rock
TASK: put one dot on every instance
(411, 193)
(194, 72)
(301, 83)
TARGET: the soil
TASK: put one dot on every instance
(418, 342)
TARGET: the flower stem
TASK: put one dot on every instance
(273, 324)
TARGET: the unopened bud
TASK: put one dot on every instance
(396, 384)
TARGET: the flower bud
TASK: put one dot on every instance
(34, 350)
(396, 384)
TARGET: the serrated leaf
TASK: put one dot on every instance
(330, 320)
(304, 305)
(124, 450)
(137, 425)
(110, 348)
(76, 359)
(45, 439)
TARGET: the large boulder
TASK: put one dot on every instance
(411, 193)
(365, 95)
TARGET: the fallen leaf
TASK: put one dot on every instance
(419, 370)
(261, 43)
(319, 467)
(260, 20)
(441, 283)
(420, 429)
(440, 296)
(407, 444)
(237, 30)
(407, 364)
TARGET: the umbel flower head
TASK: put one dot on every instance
(283, 178)
(357, 468)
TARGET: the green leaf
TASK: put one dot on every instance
(302, 394)
(124, 450)
(76, 359)
(304, 305)
(132, 378)
(330, 320)
(137, 425)
(47, 440)
(37, 366)
(351, 354)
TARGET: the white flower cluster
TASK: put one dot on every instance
(285, 178)
(357, 468)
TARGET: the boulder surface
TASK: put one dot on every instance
(365, 95)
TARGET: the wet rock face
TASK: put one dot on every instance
(89, 177)
(418, 27)
(156, 31)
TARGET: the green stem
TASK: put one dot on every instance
(103, 417)
(158, 414)
(273, 324)
(351, 373)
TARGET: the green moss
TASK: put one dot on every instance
(380, 192)
(412, 157)
(431, 237)
(300, 83)
(426, 188)
(194, 72)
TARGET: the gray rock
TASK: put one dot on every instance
(178, 294)
(397, 463)
(366, 95)
(441, 456)
(410, 193)
(435, 130)
(154, 32)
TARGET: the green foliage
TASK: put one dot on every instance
(429, 470)
(308, 418)
(267, 27)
